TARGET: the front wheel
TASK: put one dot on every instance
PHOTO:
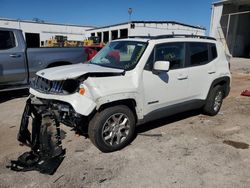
(112, 129)
(214, 101)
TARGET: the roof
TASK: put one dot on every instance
(8, 29)
(43, 22)
(178, 37)
(173, 36)
(145, 22)
(239, 2)
(219, 2)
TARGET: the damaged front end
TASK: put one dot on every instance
(44, 139)
(58, 95)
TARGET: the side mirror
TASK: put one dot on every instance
(161, 66)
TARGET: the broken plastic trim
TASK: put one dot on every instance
(45, 142)
(100, 74)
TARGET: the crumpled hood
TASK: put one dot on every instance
(75, 71)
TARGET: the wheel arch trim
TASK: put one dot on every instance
(223, 81)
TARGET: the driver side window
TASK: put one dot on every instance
(172, 52)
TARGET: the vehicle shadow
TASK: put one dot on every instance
(165, 121)
(9, 95)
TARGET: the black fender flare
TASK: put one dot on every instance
(223, 81)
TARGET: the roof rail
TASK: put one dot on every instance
(173, 36)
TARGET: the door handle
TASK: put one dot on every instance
(15, 55)
(211, 72)
(182, 77)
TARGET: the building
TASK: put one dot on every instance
(230, 24)
(144, 28)
(38, 32)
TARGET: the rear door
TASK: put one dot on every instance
(201, 58)
(12, 59)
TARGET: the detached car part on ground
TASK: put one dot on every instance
(44, 140)
(132, 81)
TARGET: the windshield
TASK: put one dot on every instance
(120, 54)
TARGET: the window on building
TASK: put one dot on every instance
(114, 34)
(99, 35)
(7, 40)
(105, 36)
(123, 33)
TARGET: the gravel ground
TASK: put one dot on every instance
(185, 150)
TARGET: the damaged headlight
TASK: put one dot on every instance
(70, 86)
(44, 85)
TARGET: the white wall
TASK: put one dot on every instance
(109, 29)
(215, 26)
(153, 29)
(47, 30)
(145, 29)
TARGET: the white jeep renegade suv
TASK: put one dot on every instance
(132, 81)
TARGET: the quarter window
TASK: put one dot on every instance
(7, 40)
(198, 53)
(213, 51)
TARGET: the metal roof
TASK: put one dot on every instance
(145, 22)
(238, 2)
(43, 22)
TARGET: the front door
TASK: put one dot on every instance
(164, 89)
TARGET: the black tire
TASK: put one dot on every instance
(103, 126)
(214, 101)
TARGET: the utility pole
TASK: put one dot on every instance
(130, 10)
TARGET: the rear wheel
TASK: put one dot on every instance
(214, 101)
(112, 129)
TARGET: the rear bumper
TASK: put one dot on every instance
(81, 104)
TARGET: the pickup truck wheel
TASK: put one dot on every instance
(214, 101)
(112, 129)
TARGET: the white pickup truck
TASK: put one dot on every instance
(132, 81)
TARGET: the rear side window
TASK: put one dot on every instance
(7, 40)
(198, 53)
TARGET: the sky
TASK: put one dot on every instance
(106, 12)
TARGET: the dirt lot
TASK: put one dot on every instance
(185, 150)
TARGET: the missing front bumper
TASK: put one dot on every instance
(44, 139)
